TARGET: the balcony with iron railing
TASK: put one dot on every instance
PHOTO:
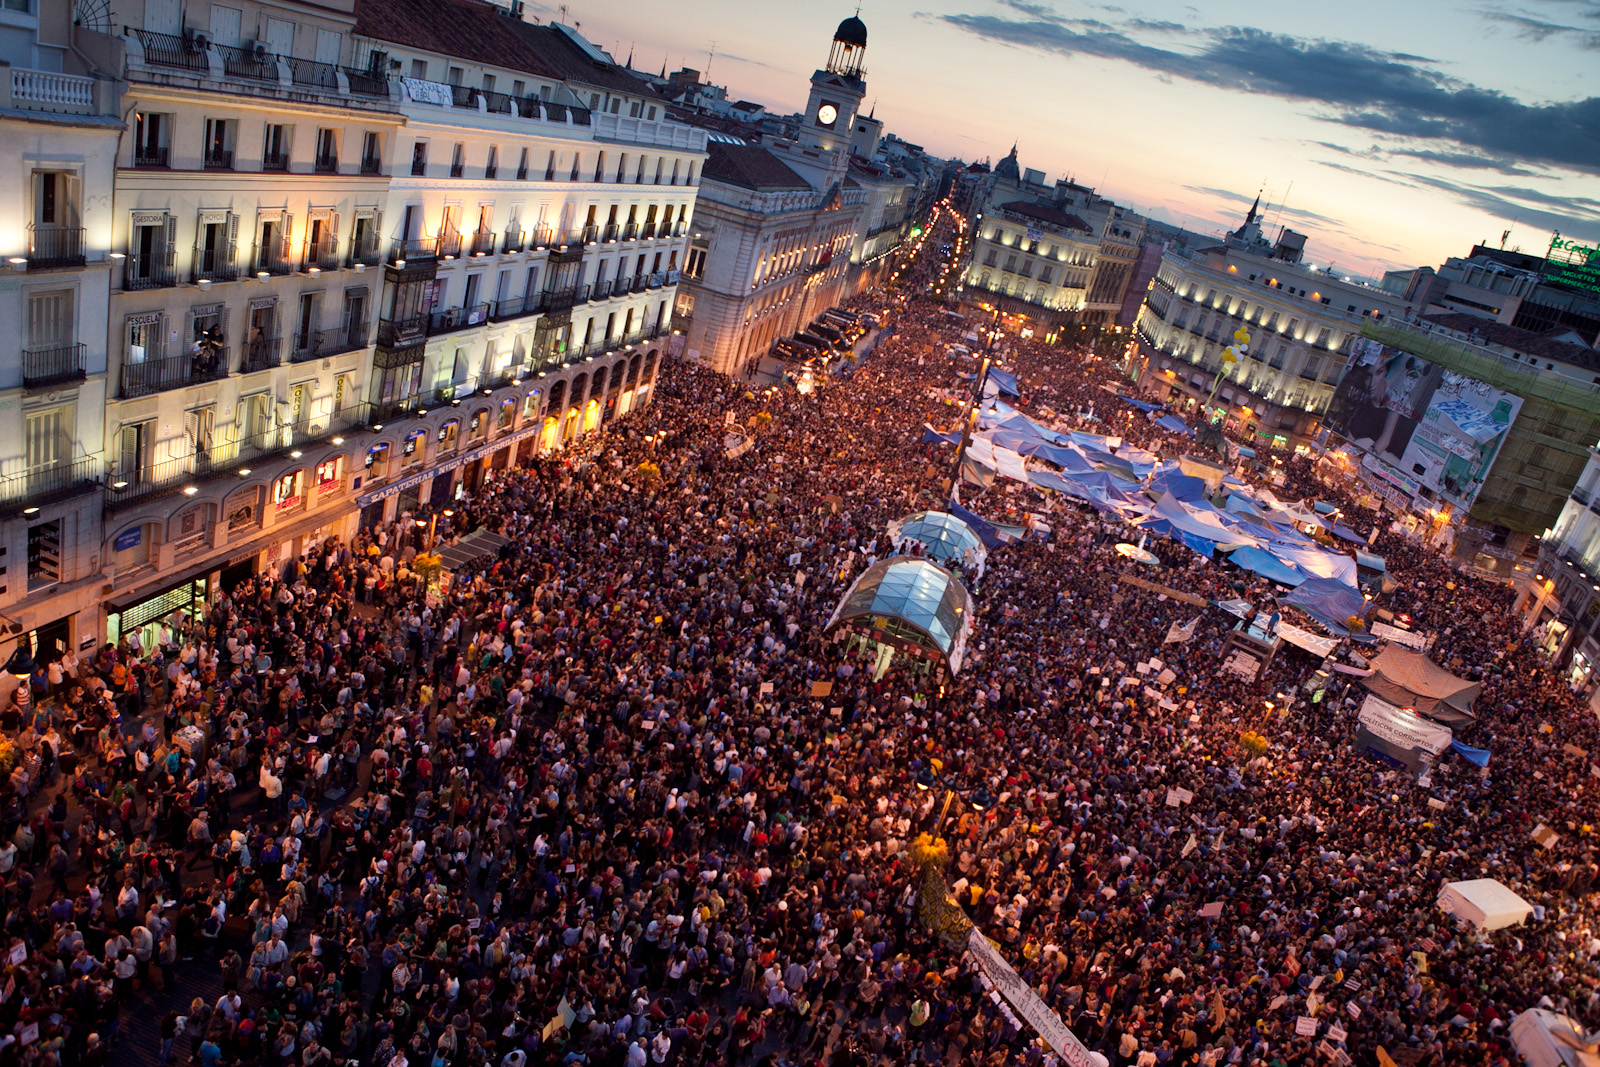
(491, 171)
(254, 63)
(310, 73)
(150, 155)
(457, 170)
(322, 254)
(173, 372)
(395, 333)
(457, 318)
(219, 159)
(325, 164)
(365, 250)
(371, 165)
(517, 306)
(589, 234)
(273, 259)
(55, 247)
(223, 454)
(317, 344)
(153, 271)
(366, 82)
(275, 161)
(214, 265)
(260, 353)
(558, 300)
(413, 249)
(482, 243)
(49, 484)
(449, 244)
(170, 50)
(515, 241)
(52, 365)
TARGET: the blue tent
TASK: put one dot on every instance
(1142, 405)
(1006, 381)
(1185, 487)
(1173, 423)
(984, 529)
(1340, 530)
(932, 436)
(1260, 561)
(1329, 601)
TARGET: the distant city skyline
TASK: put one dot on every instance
(1434, 130)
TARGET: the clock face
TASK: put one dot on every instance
(826, 114)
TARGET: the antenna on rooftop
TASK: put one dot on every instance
(711, 55)
(563, 10)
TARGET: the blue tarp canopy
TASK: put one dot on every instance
(1260, 561)
(1005, 381)
(1142, 405)
(931, 436)
(1480, 756)
(1095, 487)
(1173, 423)
(1185, 487)
(1340, 530)
(985, 530)
(1329, 601)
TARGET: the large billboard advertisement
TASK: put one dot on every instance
(1420, 424)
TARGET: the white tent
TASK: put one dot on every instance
(1546, 1039)
(1485, 903)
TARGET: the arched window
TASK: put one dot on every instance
(479, 427)
(378, 462)
(411, 451)
(449, 435)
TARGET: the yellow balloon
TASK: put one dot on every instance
(1241, 335)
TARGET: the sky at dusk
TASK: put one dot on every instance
(1393, 133)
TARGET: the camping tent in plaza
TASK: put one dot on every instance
(1329, 601)
(1485, 903)
(1410, 679)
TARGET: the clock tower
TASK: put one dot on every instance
(837, 91)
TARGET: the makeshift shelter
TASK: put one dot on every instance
(1412, 680)
(1485, 903)
(1549, 1039)
(1329, 601)
(941, 537)
(907, 606)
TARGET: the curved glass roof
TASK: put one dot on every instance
(942, 536)
(917, 593)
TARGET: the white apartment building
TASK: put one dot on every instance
(1303, 324)
(538, 211)
(250, 183)
(59, 126)
(367, 253)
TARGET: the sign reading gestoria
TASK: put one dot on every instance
(1571, 263)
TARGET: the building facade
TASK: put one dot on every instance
(778, 222)
(59, 128)
(1303, 325)
(301, 266)
(1562, 599)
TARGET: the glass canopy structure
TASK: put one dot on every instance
(911, 606)
(939, 536)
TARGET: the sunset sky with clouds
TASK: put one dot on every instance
(1409, 130)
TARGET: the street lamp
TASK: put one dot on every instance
(978, 800)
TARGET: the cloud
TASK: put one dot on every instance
(1580, 218)
(1538, 30)
(1355, 85)
(1238, 198)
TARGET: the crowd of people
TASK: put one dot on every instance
(579, 805)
